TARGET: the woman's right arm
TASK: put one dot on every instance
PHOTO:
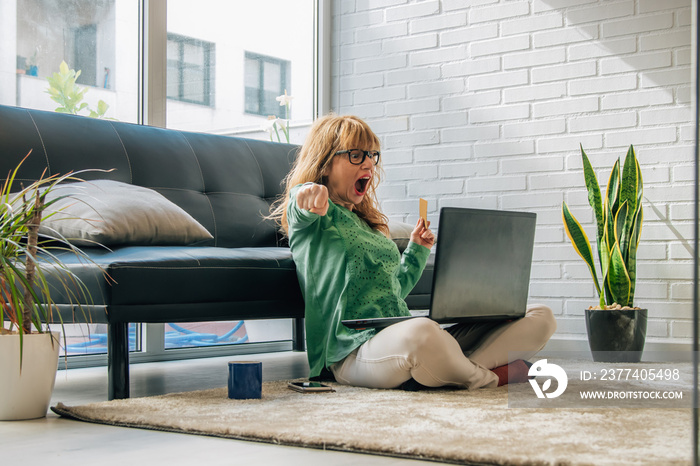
(307, 203)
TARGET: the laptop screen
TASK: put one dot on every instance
(482, 266)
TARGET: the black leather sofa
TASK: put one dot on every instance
(225, 183)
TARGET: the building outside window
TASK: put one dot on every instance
(258, 49)
(266, 78)
(85, 53)
(209, 43)
(226, 61)
(37, 35)
(191, 70)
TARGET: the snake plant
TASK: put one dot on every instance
(619, 223)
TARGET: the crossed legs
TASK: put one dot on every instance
(420, 349)
(493, 346)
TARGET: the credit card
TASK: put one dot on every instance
(423, 209)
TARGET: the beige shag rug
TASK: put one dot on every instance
(455, 426)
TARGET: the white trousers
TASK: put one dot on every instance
(461, 355)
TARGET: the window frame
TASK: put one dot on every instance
(152, 102)
(153, 61)
(285, 85)
(209, 58)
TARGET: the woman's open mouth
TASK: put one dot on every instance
(361, 185)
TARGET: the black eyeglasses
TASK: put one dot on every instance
(357, 156)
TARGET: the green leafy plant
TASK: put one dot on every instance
(619, 224)
(26, 259)
(65, 92)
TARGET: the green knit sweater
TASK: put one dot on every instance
(347, 271)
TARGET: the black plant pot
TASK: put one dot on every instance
(616, 335)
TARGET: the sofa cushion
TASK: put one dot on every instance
(400, 233)
(172, 281)
(112, 213)
(86, 280)
(172, 275)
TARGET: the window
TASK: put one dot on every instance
(266, 78)
(37, 35)
(261, 49)
(205, 47)
(85, 53)
(191, 74)
(91, 339)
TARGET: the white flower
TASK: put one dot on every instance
(285, 99)
(269, 124)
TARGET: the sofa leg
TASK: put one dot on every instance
(118, 360)
(298, 338)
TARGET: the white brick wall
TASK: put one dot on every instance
(484, 104)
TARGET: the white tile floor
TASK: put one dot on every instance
(66, 442)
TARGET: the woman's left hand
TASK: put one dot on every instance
(422, 235)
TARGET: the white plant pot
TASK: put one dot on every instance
(268, 330)
(27, 395)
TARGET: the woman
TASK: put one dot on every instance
(348, 268)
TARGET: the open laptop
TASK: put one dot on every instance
(482, 268)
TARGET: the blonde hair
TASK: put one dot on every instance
(327, 135)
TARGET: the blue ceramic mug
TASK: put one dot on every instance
(244, 380)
